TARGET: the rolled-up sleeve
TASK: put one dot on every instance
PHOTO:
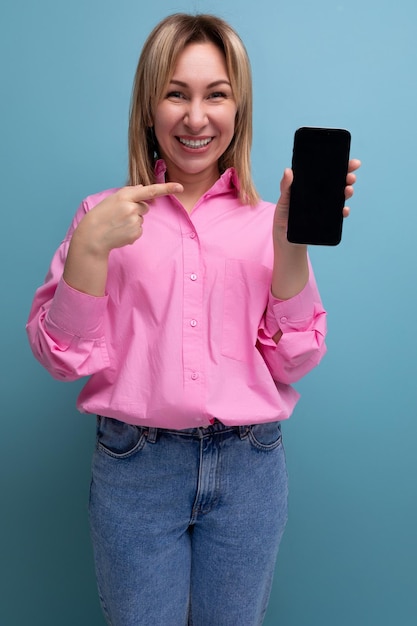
(66, 333)
(302, 322)
(65, 327)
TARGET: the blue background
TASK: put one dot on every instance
(349, 556)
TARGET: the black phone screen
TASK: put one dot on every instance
(320, 164)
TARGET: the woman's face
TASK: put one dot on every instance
(194, 122)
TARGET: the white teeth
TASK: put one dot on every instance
(195, 143)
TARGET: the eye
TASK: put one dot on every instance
(218, 95)
(175, 95)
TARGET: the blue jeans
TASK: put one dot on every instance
(186, 524)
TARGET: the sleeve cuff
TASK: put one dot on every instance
(76, 313)
(292, 314)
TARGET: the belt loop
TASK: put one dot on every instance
(243, 431)
(152, 435)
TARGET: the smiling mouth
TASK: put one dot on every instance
(195, 143)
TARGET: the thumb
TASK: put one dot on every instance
(285, 185)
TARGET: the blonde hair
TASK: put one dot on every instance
(155, 68)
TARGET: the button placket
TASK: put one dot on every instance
(192, 313)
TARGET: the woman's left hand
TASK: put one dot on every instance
(281, 211)
(354, 164)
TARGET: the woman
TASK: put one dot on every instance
(182, 300)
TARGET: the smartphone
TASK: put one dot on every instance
(320, 164)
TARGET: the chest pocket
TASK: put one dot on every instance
(246, 293)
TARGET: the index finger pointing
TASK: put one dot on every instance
(140, 193)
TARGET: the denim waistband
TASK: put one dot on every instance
(217, 428)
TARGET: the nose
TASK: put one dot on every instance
(196, 115)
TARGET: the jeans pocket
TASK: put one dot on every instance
(265, 436)
(118, 439)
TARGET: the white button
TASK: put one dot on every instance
(193, 276)
(193, 323)
(284, 319)
(194, 375)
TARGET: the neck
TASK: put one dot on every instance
(195, 186)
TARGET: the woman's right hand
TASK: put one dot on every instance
(113, 223)
(117, 220)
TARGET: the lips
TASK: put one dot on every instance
(195, 144)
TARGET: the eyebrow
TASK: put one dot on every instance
(216, 83)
